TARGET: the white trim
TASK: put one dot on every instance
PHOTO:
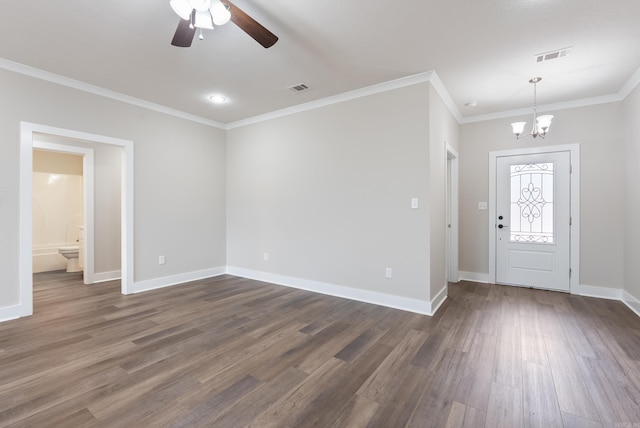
(27, 131)
(87, 199)
(345, 96)
(631, 84)
(106, 276)
(631, 302)
(574, 150)
(474, 277)
(445, 96)
(178, 279)
(427, 76)
(439, 299)
(97, 90)
(453, 207)
(10, 313)
(599, 292)
(382, 299)
(527, 111)
(626, 89)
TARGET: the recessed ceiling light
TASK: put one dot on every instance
(218, 99)
(471, 104)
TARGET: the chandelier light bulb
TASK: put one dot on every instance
(518, 127)
(541, 124)
(544, 122)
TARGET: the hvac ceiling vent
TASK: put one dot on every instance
(300, 87)
(559, 53)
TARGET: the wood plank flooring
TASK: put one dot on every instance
(231, 352)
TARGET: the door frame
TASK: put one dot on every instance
(27, 133)
(574, 189)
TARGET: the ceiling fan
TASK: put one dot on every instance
(204, 14)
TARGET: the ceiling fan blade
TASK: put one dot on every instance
(184, 34)
(250, 26)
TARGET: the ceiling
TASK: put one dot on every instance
(482, 50)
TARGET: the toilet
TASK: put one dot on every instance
(71, 253)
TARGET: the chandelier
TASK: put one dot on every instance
(541, 124)
(202, 14)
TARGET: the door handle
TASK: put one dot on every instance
(500, 226)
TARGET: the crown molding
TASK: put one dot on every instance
(427, 76)
(631, 84)
(543, 108)
(345, 96)
(626, 89)
(97, 90)
(446, 98)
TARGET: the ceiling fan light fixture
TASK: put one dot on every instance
(220, 12)
(200, 5)
(203, 20)
(182, 8)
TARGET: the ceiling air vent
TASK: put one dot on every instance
(559, 53)
(300, 87)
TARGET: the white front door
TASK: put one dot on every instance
(533, 217)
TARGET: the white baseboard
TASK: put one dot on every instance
(389, 300)
(599, 292)
(631, 302)
(106, 276)
(10, 313)
(166, 281)
(439, 299)
(474, 277)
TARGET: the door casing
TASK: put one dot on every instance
(574, 150)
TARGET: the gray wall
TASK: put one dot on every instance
(327, 194)
(632, 194)
(179, 176)
(599, 130)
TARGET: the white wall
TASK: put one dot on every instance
(598, 130)
(632, 194)
(326, 193)
(179, 176)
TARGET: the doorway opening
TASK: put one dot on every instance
(86, 222)
(28, 135)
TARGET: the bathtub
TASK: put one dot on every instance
(46, 257)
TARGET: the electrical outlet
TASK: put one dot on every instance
(388, 273)
(161, 260)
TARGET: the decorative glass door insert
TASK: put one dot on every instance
(532, 203)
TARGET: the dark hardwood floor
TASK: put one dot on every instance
(231, 352)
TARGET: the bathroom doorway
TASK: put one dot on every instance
(62, 207)
(29, 136)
